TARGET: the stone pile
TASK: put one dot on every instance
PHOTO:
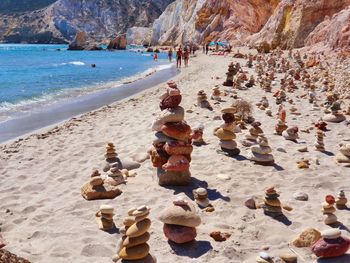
(281, 122)
(201, 197)
(133, 245)
(104, 218)
(261, 153)
(331, 245)
(231, 72)
(254, 132)
(180, 221)
(226, 133)
(97, 188)
(328, 210)
(272, 205)
(197, 135)
(172, 148)
(319, 144)
(341, 200)
(202, 100)
(343, 157)
(291, 134)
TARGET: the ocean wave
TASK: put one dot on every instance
(37, 103)
(74, 63)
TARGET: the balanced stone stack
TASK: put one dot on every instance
(229, 75)
(97, 188)
(341, 200)
(115, 177)
(335, 116)
(202, 100)
(331, 245)
(328, 210)
(180, 221)
(272, 205)
(226, 133)
(110, 156)
(104, 218)
(197, 135)
(201, 197)
(281, 123)
(291, 134)
(261, 153)
(216, 94)
(319, 144)
(254, 132)
(133, 246)
(172, 148)
(343, 157)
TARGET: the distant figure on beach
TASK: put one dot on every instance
(170, 55)
(93, 65)
(217, 47)
(207, 48)
(178, 57)
(186, 56)
(203, 48)
(155, 57)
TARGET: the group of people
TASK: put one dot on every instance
(181, 54)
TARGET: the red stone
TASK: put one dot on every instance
(179, 234)
(2, 242)
(328, 248)
(170, 102)
(330, 199)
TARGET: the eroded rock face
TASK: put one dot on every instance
(139, 35)
(188, 21)
(59, 22)
(333, 33)
(294, 20)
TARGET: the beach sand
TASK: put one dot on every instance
(49, 221)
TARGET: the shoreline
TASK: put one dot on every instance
(25, 124)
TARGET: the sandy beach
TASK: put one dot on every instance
(44, 218)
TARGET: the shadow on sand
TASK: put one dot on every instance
(213, 194)
(342, 259)
(193, 249)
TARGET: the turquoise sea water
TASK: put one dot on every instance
(33, 76)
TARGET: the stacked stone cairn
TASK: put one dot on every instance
(291, 134)
(281, 122)
(97, 188)
(343, 157)
(319, 144)
(335, 116)
(111, 156)
(254, 132)
(331, 245)
(328, 210)
(202, 100)
(341, 200)
(261, 153)
(172, 148)
(272, 205)
(180, 221)
(104, 218)
(216, 94)
(226, 133)
(197, 135)
(115, 176)
(232, 71)
(133, 246)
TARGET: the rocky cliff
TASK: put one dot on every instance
(61, 21)
(294, 20)
(333, 33)
(186, 21)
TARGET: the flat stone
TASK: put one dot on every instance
(250, 203)
(138, 228)
(331, 233)
(307, 238)
(134, 253)
(183, 215)
(289, 257)
(302, 149)
(301, 196)
(134, 241)
(223, 176)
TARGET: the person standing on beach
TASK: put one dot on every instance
(155, 57)
(178, 57)
(170, 55)
(186, 56)
(207, 48)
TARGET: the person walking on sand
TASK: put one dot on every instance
(170, 55)
(186, 56)
(178, 57)
(155, 57)
(207, 48)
